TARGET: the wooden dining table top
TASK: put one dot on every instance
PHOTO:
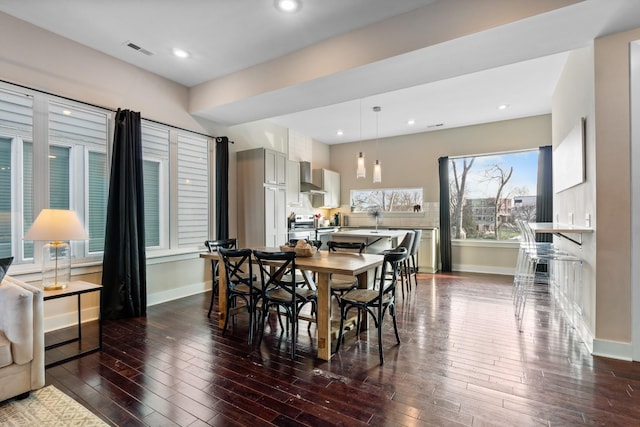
(327, 262)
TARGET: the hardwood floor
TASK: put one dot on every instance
(462, 361)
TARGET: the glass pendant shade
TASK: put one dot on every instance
(56, 226)
(361, 172)
(377, 172)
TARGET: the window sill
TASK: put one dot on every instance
(481, 243)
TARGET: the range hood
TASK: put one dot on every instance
(306, 186)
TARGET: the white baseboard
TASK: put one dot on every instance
(70, 318)
(613, 349)
(505, 271)
(177, 293)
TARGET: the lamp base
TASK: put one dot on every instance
(55, 287)
(56, 265)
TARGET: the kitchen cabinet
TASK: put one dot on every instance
(429, 251)
(262, 198)
(274, 167)
(293, 183)
(329, 181)
(275, 231)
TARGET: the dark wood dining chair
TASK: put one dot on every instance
(375, 302)
(241, 285)
(212, 246)
(277, 294)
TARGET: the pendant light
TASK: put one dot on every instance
(377, 167)
(361, 171)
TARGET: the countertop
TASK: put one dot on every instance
(356, 227)
(368, 232)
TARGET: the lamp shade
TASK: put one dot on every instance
(55, 225)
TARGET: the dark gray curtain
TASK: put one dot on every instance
(445, 219)
(124, 270)
(222, 187)
(544, 199)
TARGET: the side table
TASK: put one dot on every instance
(77, 289)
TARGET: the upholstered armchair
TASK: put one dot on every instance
(21, 339)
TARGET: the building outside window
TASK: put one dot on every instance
(488, 193)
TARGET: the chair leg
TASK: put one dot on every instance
(213, 295)
(380, 335)
(341, 328)
(231, 302)
(392, 312)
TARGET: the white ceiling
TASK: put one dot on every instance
(517, 64)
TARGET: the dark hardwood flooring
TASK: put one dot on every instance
(462, 362)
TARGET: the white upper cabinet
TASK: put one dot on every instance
(293, 183)
(275, 168)
(329, 181)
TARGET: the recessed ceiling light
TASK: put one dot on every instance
(340, 133)
(287, 5)
(411, 122)
(503, 106)
(180, 53)
(66, 112)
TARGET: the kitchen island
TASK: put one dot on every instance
(375, 241)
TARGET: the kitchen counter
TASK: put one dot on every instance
(368, 232)
(376, 241)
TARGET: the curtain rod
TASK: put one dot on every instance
(107, 108)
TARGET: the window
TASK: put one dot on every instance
(487, 193)
(67, 167)
(78, 177)
(387, 200)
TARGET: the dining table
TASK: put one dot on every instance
(323, 264)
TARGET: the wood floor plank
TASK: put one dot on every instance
(462, 361)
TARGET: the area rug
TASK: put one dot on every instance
(47, 407)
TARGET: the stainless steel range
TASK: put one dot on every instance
(302, 227)
(305, 227)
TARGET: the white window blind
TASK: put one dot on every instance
(155, 154)
(16, 127)
(193, 190)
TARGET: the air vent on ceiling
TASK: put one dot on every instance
(138, 48)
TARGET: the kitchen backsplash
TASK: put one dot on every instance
(429, 217)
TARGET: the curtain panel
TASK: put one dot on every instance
(222, 187)
(544, 199)
(445, 220)
(124, 264)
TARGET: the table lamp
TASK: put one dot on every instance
(56, 226)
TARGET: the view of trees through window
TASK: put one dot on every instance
(387, 200)
(488, 193)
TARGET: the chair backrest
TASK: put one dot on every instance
(271, 274)
(407, 241)
(237, 265)
(213, 245)
(416, 241)
(346, 246)
(390, 268)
